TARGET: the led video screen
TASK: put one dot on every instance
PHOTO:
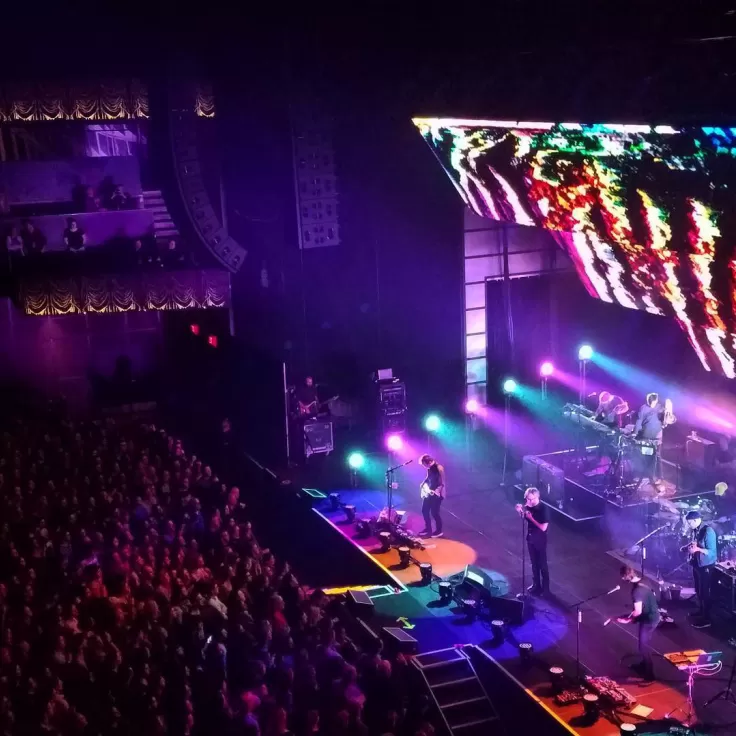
(647, 213)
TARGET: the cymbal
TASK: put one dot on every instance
(666, 516)
(682, 505)
(665, 503)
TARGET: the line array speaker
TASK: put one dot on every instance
(182, 122)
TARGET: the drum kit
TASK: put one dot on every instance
(675, 532)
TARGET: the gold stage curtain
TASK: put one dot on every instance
(134, 293)
(204, 104)
(108, 101)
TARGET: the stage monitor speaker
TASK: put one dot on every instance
(700, 453)
(398, 641)
(477, 579)
(360, 603)
(510, 610)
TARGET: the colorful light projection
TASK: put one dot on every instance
(645, 212)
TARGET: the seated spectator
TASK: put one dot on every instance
(119, 200)
(34, 241)
(144, 252)
(14, 242)
(91, 201)
(74, 237)
(172, 256)
(140, 258)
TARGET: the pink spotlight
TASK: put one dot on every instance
(546, 369)
(394, 442)
(472, 406)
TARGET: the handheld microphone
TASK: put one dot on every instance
(613, 590)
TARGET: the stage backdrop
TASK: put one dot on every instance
(645, 212)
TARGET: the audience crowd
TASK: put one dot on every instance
(135, 598)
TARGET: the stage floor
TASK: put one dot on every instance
(482, 528)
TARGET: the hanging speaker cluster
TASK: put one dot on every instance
(182, 127)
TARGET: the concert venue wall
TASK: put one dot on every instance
(58, 355)
(645, 213)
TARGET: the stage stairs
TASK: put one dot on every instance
(163, 226)
(458, 693)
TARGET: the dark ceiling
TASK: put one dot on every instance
(559, 60)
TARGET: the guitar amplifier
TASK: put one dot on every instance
(530, 465)
(699, 452)
(723, 587)
(318, 437)
(554, 479)
(537, 472)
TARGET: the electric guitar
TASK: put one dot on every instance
(693, 540)
(426, 491)
(313, 407)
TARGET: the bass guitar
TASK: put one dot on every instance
(313, 407)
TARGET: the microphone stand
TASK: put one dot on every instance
(390, 489)
(640, 543)
(523, 596)
(579, 618)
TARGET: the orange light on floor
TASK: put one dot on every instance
(194, 328)
(212, 340)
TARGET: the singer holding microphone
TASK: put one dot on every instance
(646, 614)
(537, 523)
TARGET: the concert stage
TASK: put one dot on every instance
(482, 528)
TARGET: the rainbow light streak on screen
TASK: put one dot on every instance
(647, 213)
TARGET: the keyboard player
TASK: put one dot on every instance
(610, 409)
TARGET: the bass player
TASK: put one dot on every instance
(433, 493)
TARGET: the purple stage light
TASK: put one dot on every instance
(394, 442)
(546, 369)
(472, 406)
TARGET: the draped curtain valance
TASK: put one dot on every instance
(111, 101)
(208, 289)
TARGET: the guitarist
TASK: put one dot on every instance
(703, 552)
(433, 493)
(645, 612)
(307, 399)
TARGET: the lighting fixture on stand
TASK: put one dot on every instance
(385, 539)
(557, 679)
(525, 651)
(585, 354)
(545, 371)
(509, 387)
(425, 568)
(445, 591)
(498, 629)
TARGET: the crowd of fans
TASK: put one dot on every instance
(135, 598)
